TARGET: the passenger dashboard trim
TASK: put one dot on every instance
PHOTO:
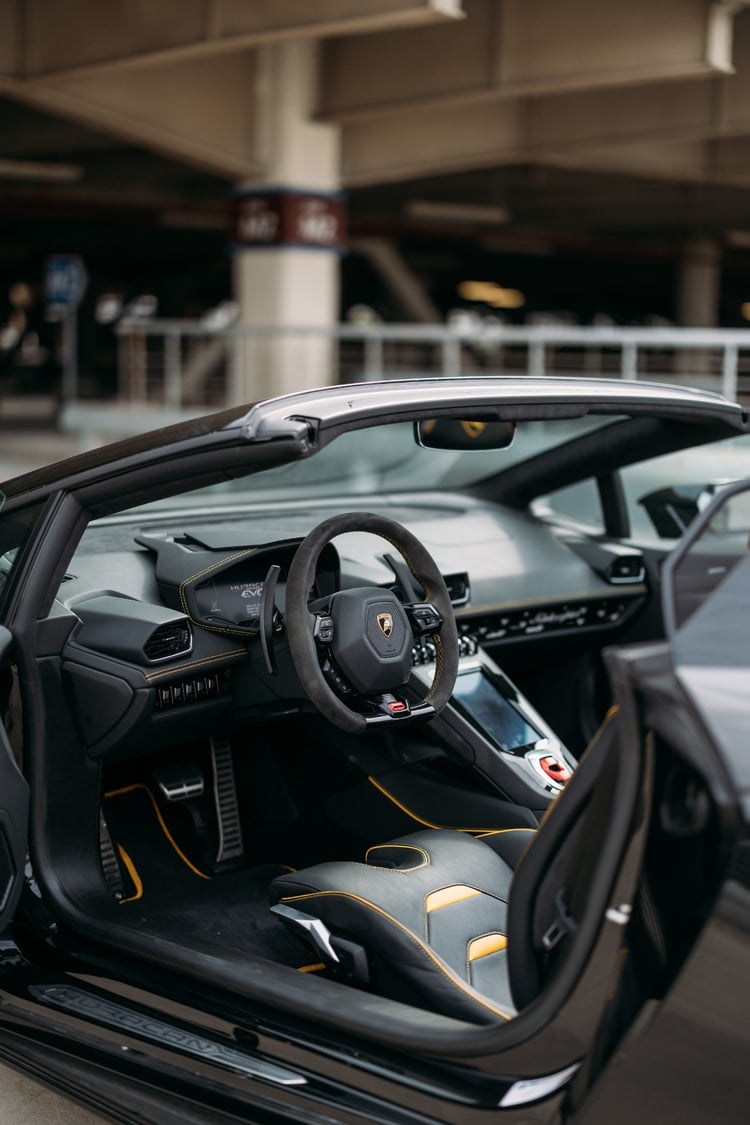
(177, 668)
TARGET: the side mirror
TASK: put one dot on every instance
(671, 510)
(463, 434)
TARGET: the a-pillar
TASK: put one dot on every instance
(289, 232)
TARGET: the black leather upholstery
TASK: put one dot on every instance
(430, 912)
(435, 904)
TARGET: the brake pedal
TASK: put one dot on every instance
(180, 782)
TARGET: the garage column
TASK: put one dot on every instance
(289, 233)
(698, 283)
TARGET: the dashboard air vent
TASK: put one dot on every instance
(626, 569)
(173, 638)
(458, 588)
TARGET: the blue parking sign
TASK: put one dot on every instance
(65, 279)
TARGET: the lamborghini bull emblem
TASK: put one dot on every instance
(385, 623)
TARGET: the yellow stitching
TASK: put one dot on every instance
(195, 664)
(502, 832)
(224, 563)
(427, 823)
(447, 972)
(312, 968)
(224, 629)
(162, 823)
(244, 554)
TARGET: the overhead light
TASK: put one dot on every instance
(435, 211)
(38, 170)
(739, 239)
(489, 293)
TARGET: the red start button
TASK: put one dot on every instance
(396, 705)
(555, 769)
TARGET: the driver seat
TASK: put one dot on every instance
(439, 919)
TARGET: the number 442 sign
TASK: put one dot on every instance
(65, 280)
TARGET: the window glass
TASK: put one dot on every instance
(690, 474)
(580, 503)
(15, 528)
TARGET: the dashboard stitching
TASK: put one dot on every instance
(222, 564)
(195, 664)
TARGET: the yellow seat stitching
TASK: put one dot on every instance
(448, 973)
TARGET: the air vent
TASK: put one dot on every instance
(173, 638)
(458, 588)
(626, 569)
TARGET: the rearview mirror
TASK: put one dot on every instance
(463, 434)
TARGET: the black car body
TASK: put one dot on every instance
(205, 696)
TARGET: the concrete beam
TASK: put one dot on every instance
(77, 37)
(516, 48)
(456, 138)
(576, 129)
(421, 102)
(202, 111)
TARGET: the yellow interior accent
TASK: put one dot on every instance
(134, 876)
(428, 823)
(139, 785)
(447, 972)
(486, 944)
(316, 968)
(448, 896)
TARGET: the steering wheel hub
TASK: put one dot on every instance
(372, 639)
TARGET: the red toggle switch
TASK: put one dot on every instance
(555, 769)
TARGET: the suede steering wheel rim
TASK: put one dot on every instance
(301, 621)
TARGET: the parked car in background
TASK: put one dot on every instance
(376, 753)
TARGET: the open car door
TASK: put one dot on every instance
(690, 938)
(14, 809)
(17, 530)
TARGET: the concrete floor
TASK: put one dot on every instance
(22, 1100)
(24, 448)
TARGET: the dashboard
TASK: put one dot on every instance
(173, 625)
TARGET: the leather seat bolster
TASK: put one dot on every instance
(425, 913)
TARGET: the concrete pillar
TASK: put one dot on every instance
(289, 232)
(699, 283)
(698, 289)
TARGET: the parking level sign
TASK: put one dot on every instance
(65, 280)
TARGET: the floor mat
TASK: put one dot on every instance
(167, 894)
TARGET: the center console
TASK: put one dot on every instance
(490, 721)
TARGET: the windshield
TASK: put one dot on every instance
(385, 459)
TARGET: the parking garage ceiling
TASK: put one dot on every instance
(498, 125)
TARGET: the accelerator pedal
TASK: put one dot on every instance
(231, 845)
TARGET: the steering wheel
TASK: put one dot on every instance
(353, 650)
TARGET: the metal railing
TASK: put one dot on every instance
(181, 364)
